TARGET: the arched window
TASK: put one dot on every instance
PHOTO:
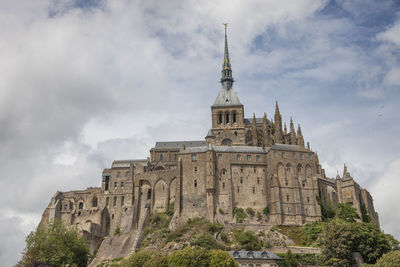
(219, 118)
(115, 202)
(226, 142)
(149, 194)
(226, 117)
(288, 167)
(234, 117)
(80, 205)
(287, 198)
(106, 182)
(299, 168)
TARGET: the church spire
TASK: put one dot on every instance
(226, 78)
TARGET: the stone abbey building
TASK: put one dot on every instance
(241, 163)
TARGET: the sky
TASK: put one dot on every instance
(85, 82)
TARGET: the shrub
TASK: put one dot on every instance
(214, 227)
(239, 214)
(205, 241)
(224, 237)
(266, 210)
(259, 215)
(251, 212)
(117, 231)
(157, 260)
(247, 239)
(221, 211)
(267, 244)
(137, 259)
(170, 209)
(311, 232)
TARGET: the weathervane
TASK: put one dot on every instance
(225, 25)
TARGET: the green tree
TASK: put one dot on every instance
(346, 212)
(138, 259)
(391, 258)
(188, 257)
(157, 260)
(290, 259)
(365, 217)
(55, 246)
(342, 238)
(220, 258)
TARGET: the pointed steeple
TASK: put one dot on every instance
(226, 78)
(285, 129)
(293, 138)
(267, 138)
(278, 125)
(300, 139)
(276, 108)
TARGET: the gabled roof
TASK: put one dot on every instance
(226, 98)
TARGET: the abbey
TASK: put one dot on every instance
(242, 163)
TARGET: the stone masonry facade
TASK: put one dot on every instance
(242, 163)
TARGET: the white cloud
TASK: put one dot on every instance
(386, 197)
(392, 34)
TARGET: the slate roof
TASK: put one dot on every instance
(287, 147)
(234, 149)
(126, 163)
(178, 144)
(254, 255)
(210, 134)
(250, 120)
(226, 98)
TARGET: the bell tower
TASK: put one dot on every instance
(227, 111)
